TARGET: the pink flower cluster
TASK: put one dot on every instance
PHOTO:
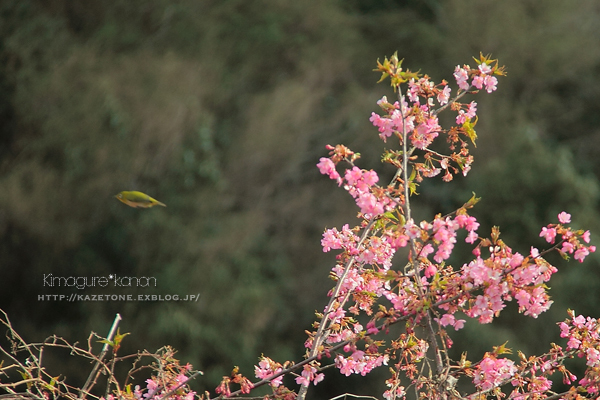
(481, 77)
(449, 319)
(397, 391)
(266, 368)
(327, 167)
(156, 390)
(501, 277)
(309, 374)
(365, 286)
(525, 283)
(373, 251)
(359, 363)
(378, 251)
(444, 234)
(584, 336)
(531, 377)
(464, 116)
(492, 372)
(422, 133)
(418, 121)
(397, 120)
(334, 239)
(570, 240)
(359, 183)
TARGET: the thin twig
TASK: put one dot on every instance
(91, 380)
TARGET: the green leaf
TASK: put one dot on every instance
(469, 131)
(472, 201)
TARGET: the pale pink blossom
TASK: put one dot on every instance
(549, 234)
(444, 95)
(327, 167)
(564, 217)
(472, 111)
(490, 83)
(462, 76)
(535, 253)
(478, 81)
(484, 69)
(586, 236)
(581, 253)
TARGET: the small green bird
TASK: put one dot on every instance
(138, 200)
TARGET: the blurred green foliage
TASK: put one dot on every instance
(221, 110)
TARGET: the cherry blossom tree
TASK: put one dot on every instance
(423, 292)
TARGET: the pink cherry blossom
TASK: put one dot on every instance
(490, 83)
(426, 250)
(461, 118)
(425, 133)
(564, 217)
(567, 247)
(353, 176)
(444, 95)
(484, 69)
(384, 125)
(491, 372)
(478, 81)
(535, 253)
(462, 75)
(586, 236)
(593, 357)
(459, 324)
(549, 234)
(447, 319)
(309, 374)
(411, 229)
(327, 167)
(516, 260)
(581, 253)
(472, 111)
(267, 368)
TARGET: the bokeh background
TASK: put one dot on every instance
(221, 109)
